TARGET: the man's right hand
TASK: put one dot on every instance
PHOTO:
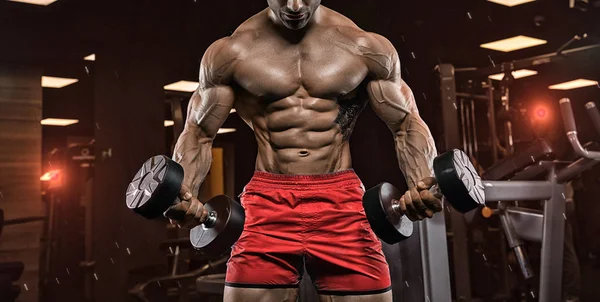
(189, 212)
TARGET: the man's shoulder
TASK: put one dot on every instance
(232, 47)
(242, 38)
(364, 39)
(379, 54)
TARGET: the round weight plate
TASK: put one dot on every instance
(155, 187)
(459, 181)
(388, 225)
(224, 232)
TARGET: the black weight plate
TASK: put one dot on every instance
(227, 229)
(458, 180)
(155, 187)
(389, 226)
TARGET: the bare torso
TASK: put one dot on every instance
(301, 91)
(301, 95)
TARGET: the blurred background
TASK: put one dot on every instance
(90, 89)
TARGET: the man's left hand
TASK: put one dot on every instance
(419, 203)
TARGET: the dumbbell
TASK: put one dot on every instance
(457, 180)
(155, 188)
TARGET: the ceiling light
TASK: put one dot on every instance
(185, 86)
(169, 123)
(517, 74)
(58, 122)
(574, 84)
(514, 43)
(91, 57)
(54, 82)
(36, 2)
(226, 130)
(511, 3)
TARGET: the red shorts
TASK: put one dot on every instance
(316, 221)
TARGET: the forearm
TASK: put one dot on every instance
(193, 152)
(415, 149)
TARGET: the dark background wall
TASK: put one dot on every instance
(20, 168)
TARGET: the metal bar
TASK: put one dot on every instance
(50, 244)
(466, 69)
(434, 256)
(139, 290)
(516, 244)
(552, 244)
(492, 121)
(575, 169)
(561, 50)
(175, 261)
(475, 149)
(594, 115)
(517, 190)
(571, 129)
(468, 127)
(463, 126)
(88, 278)
(523, 260)
(24, 220)
(510, 148)
(472, 96)
(506, 268)
(525, 63)
(434, 248)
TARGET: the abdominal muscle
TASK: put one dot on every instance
(299, 136)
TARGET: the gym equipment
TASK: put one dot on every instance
(593, 114)
(491, 94)
(155, 188)
(4, 222)
(457, 180)
(385, 220)
(546, 226)
(222, 229)
(176, 281)
(211, 284)
(10, 272)
(571, 129)
(510, 165)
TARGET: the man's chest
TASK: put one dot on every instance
(323, 68)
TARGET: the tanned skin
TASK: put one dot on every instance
(299, 74)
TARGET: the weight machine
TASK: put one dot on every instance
(546, 226)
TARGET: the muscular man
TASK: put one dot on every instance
(299, 74)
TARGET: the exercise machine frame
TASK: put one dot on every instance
(551, 190)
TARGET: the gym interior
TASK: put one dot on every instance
(89, 90)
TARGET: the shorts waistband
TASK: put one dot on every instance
(265, 179)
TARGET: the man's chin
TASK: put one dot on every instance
(295, 25)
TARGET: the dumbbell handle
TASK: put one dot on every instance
(180, 215)
(435, 190)
(210, 220)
